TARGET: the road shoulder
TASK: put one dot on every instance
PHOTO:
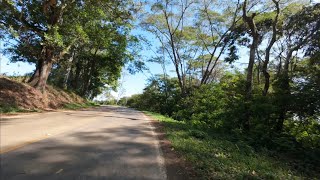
(177, 167)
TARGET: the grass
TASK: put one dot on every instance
(71, 106)
(74, 106)
(13, 109)
(219, 156)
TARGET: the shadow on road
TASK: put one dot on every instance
(126, 151)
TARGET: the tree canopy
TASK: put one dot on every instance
(86, 39)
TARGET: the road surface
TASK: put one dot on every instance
(103, 143)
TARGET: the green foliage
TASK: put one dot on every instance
(74, 106)
(205, 105)
(14, 109)
(227, 156)
(208, 128)
(161, 95)
(307, 132)
(220, 106)
(88, 42)
(223, 132)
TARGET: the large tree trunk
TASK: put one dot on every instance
(53, 11)
(34, 78)
(41, 74)
(44, 74)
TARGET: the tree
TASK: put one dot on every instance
(273, 39)
(214, 34)
(167, 21)
(53, 28)
(249, 20)
(300, 31)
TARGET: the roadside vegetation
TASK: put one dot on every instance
(74, 106)
(224, 155)
(13, 110)
(261, 122)
(240, 79)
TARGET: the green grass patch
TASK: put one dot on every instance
(74, 106)
(13, 109)
(219, 156)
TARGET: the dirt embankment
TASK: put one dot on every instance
(20, 95)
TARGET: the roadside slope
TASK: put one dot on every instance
(18, 95)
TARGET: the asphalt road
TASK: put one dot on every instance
(103, 143)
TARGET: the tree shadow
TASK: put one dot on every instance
(126, 152)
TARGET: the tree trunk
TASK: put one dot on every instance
(249, 20)
(44, 74)
(258, 71)
(91, 66)
(266, 75)
(54, 13)
(267, 57)
(67, 76)
(41, 74)
(248, 97)
(87, 78)
(285, 92)
(34, 78)
(250, 69)
(77, 77)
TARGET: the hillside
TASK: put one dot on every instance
(18, 95)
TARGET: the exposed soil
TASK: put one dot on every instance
(176, 166)
(21, 95)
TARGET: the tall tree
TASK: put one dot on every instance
(214, 33)
(167, 21)
(250, 22)
(53, 27)
(300, 31)
(193, 35)
(254, 33)
(273, 39)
